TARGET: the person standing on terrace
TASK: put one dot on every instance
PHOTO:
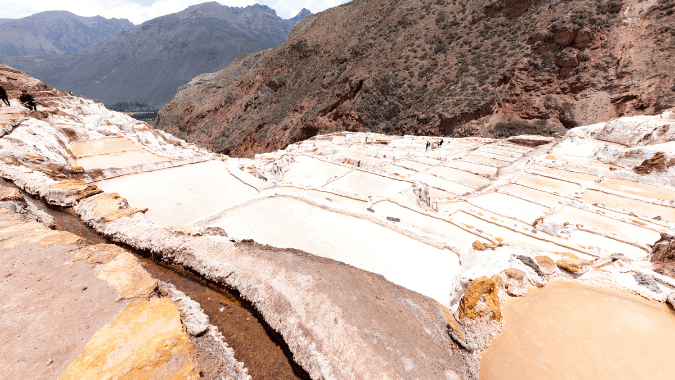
(28, 101)
(3, 96)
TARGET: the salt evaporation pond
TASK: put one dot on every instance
(572, 331)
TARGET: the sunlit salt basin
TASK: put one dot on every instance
(572, 331)
(118, 152)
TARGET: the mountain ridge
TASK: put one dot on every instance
(442, 68)
(55, 32)
(147, 63)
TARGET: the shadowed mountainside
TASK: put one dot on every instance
(55, 32)
(146, 64)
(441, 68)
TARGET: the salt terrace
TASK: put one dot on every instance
(435, 221)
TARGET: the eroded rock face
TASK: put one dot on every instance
(363, 66)
(147, 340)
(482, 299)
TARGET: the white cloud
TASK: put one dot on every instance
(138, 13)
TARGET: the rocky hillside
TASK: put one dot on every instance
(146, 64)
(441, 68)
(55, 32)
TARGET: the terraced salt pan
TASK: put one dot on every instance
(500, 157)
(548, 184)
(566, 174)
(393, 169)
(459, 176)
(601, 223)
(442, 184)
(591, 241)
(637, 188)
(289, 223)
(427, 160)
(533, 195)
(516, 147)
(484, 160)
(308, 171)
(581, 161)
(119, 160)
(427, 224)
(344, 201)
(181, 194)
(572, 331)
(629, 205)
(471, 167)
(509, 236)
(412, 165)
(514, 207)
(102, 146)
(436, 194)
(367, 184)
(509, 148)
(499, 152)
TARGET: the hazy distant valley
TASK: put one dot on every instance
(147, 63)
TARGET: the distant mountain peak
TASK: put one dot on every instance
(300, 16)
(56, 32)
(303, 13)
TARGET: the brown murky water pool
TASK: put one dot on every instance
(257, 345)
(572, 331)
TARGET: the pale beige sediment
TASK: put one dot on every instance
(573, 331)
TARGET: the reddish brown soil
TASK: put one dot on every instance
(438, 67)
(659, 163)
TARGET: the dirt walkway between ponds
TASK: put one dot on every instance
(48, 311)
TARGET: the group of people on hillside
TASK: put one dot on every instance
(26, 99)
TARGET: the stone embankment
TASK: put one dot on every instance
(371, 255)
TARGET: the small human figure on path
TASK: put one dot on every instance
(428, 145)
(28, 101)
(440, 144)
(3, 96)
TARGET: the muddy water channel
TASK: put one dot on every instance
(257, 345)
(572, 331)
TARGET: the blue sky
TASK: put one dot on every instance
(138, 11)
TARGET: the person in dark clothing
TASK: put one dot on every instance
(28, 101)
(427, 146)
(3, 96)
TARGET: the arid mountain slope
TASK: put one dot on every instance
(55, 32)
(147, 63)
(439, 67)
